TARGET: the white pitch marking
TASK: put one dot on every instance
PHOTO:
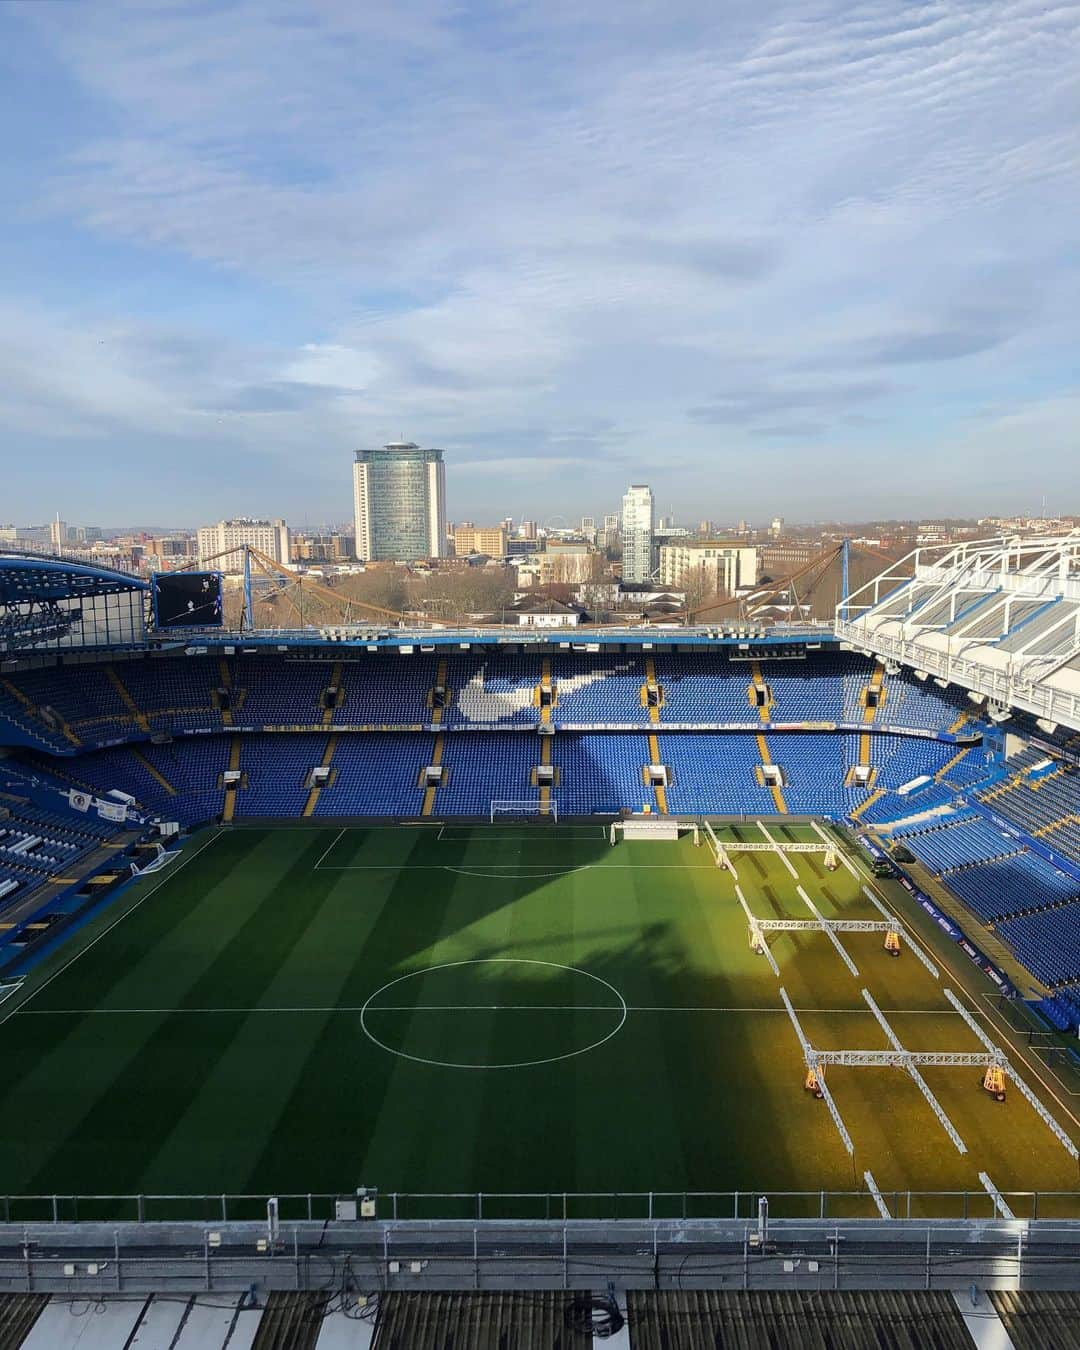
(106, 931)
(330, 848)
(456, 1007)
(518, 866)
(621, 1009)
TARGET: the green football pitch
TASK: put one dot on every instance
(450, 1009)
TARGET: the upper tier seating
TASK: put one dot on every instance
(130, 700)
(493, 688)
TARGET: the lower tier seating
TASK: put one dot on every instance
(1034, 906)
(379, 773)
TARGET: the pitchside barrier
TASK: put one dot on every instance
(905, 1208)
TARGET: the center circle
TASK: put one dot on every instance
(546, 1000)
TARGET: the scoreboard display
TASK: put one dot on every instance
(187, 600)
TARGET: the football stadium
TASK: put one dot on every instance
(555, 953)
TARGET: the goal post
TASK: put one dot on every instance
(526, 806)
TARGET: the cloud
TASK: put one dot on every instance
(747, 405)
(550, 233)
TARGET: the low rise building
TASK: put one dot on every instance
(489, 539)
(328, 547)
(720, 565)
(229, 536)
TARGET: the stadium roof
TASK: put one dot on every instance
(999, 617)
(25, 578)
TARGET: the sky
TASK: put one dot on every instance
(817, 259)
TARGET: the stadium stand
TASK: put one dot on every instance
(1046, 805)
(134, 699)
(166, 728)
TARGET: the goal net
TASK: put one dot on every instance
(530, 806)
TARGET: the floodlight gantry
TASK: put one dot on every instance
(991, 1058)
(888, 924)
(819, 924)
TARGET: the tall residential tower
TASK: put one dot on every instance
(399, 499)
(637, 533)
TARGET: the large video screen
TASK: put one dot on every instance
(187, 600)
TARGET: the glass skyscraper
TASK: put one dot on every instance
(399, 500)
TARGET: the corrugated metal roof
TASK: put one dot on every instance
(18, 1313)
(1036, 1319)
(291, 1321)
(795, 1320)
(526, 1320)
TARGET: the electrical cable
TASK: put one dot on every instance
(594, 1315)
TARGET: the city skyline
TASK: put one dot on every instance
(757, 252)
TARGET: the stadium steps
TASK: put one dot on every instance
(766, 758)
(226, 683)
(864, 750)
(1037, 784)
(324, 763)
(544, 687)
(154, 773)
(228, 809)
(440, 683)
(650, 683)
(124, 695)
(866, 804)
(946, 769)
(436, 759)
(757, 681)
(30, 708)
(545, 759)
(328, 712)
(960, 723)
(877, 686)
(654, 758)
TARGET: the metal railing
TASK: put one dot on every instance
(537, 1206)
